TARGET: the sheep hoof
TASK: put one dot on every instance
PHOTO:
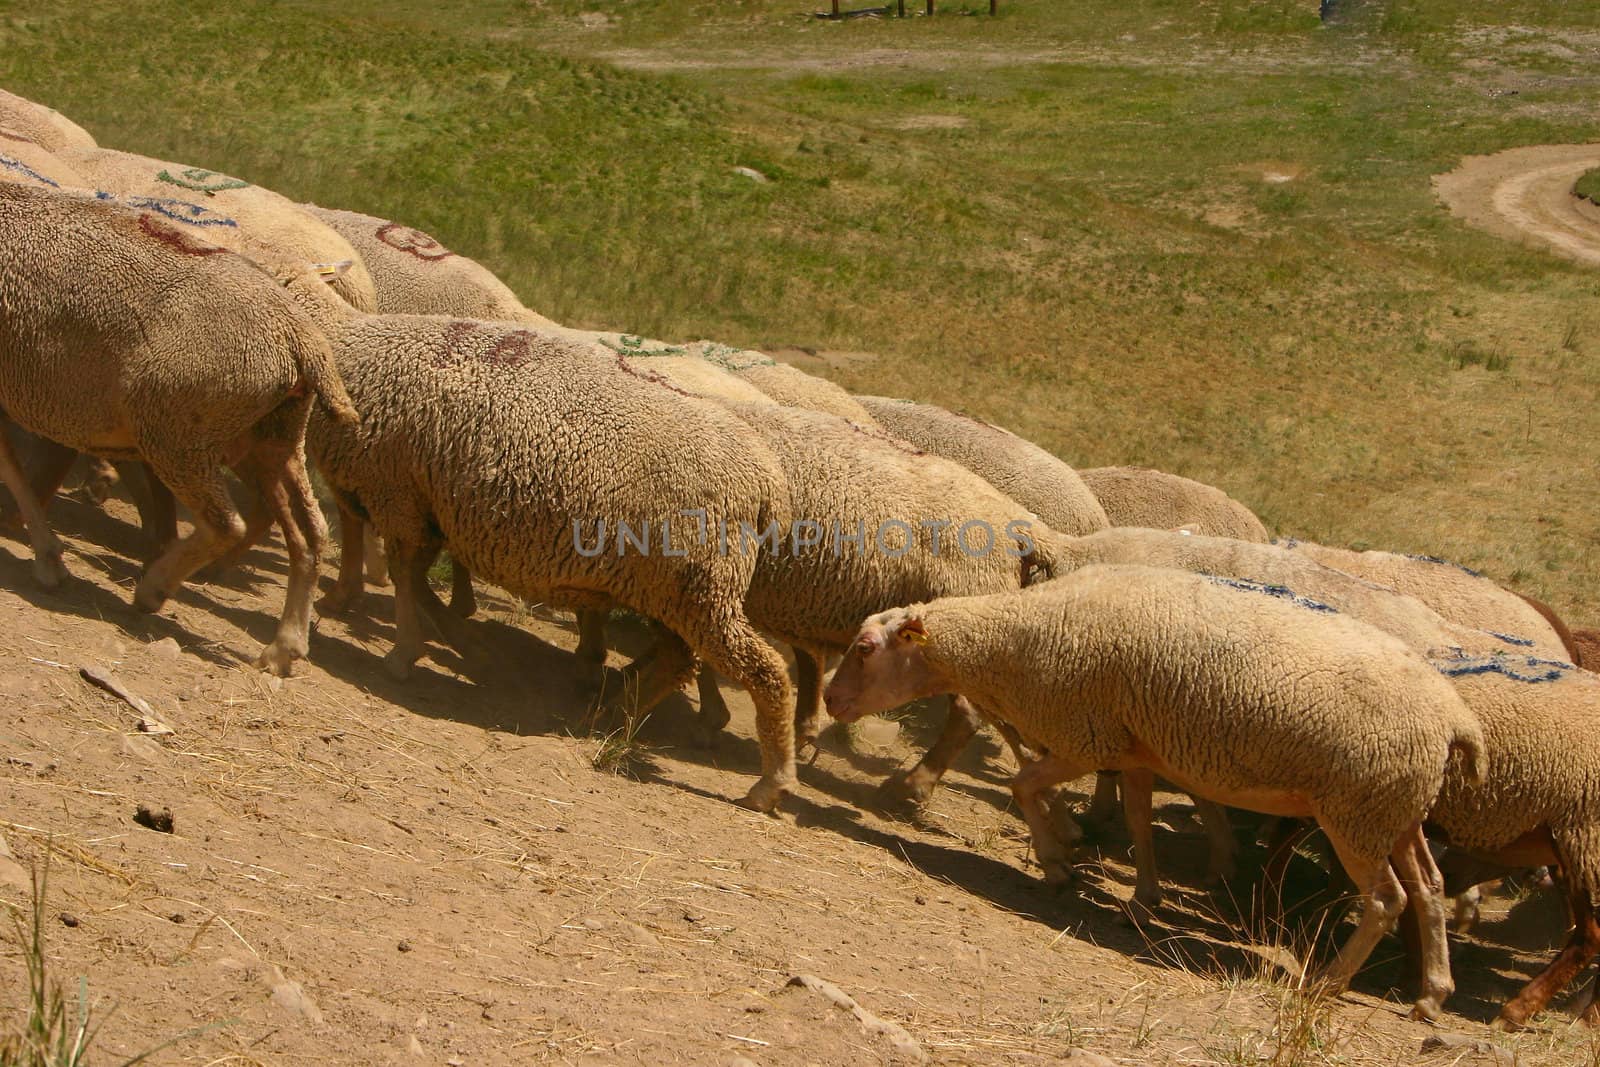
(465, 606)
(338, 601)
(1508, 1021)
(398, 664)
(1426, 1009)
(278, 659)
(1149, 900)
(1056, 874)
(49, 571)
(764, 797)
(907, 789)
(148, 597)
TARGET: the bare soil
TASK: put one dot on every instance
(360, 871)
(1525, 194)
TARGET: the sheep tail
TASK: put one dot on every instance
(319, 371)
(1468, 740)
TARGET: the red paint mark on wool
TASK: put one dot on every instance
(170, 235)
(512, 349)
(649, 376)
(8, 135)
(423, 246)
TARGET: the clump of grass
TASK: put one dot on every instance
(621, 752)
(55, 1033)
(1588, 186)
(1471, 354)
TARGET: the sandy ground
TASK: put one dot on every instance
(437, 873)
(1525, 194)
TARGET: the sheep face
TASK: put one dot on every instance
(885, 667)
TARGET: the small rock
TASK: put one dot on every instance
(166, 648)
(753, 174)
(291, 997)
(454, 1061)
(176, 917)
(68, 919)
(920, 899)
(414, 1046)
(153, 819)
(12, 872)
(1468, 1043)
(877, 731)
(403, 946)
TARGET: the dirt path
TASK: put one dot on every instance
(1526, 194)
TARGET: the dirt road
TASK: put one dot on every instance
(1526, 194)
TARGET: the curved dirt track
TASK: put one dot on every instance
(1526, 194)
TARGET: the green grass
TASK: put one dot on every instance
(1588, 186)
(1194, 236)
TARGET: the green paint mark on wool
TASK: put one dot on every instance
(734, 359)
(633, 347)
(201, 180)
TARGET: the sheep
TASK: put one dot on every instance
(1138, 496)
(1459, 594)
(24, 161)
(1540, 801)
(510, 447)
(931, 528)
(182, 354)
(414, 274)
(48, 128)
(1247, 699)
(274, 226)
(1018, 468)
(1586, 647)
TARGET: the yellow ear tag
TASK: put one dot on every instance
(918, 636)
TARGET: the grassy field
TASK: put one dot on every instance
(1197, 236)
(1588, 186)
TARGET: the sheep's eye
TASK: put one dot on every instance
(866, 647)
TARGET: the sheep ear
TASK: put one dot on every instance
(911, 630)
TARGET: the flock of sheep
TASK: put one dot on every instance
(1119, 621)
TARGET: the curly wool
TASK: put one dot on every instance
(267, 225)
(25, 162)
(1139, 496)
(1018, 468)
(415, 274)
(46, 127)
(932, 529)
(1244, 698)
(1456, 593)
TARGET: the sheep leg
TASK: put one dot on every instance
(658, 673)
(348, 589)
(740, 654)
(286, 492)
(915, 786)
(808, 722)
(452, 627)
(1029, 787)
(591, 650)
(49, 462)
(1384, 897)
(257, 521)
(1138, 785)
(217, 528)
(48, 569)
(1581, 947)
(1425, 907)
(462, 599)
(1223, 864)
(408, 569)
(158, 509)
(1103, 808)
(714, 714)
(376, 563)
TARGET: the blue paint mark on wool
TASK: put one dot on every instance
(23, 169)
(176, 210)
(1445, 563)
(1518, 668)
(1511, 639)
(1282, 592)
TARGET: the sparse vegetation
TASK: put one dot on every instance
(1588, 186)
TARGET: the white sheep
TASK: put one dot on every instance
(47, 127)
(561, 440)
(1017, 467)
(1247, 699)
(264, 224)
(1139, 496)
(176, 352)
(1458, 593)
